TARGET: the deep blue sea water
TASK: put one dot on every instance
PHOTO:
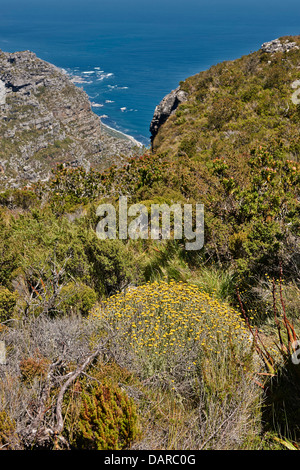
(128, 54)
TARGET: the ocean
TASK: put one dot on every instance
(127, 55)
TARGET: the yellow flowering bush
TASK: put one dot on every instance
(166, 322)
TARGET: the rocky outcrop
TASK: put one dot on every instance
(45, 119)
(165, 109)
(278, 46)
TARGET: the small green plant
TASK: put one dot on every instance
(8, 302)
(188, 146)
(110, 265)
(107, 418)
(77, 298)
(7, 430)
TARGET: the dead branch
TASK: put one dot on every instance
(59, 418)
(39, 433)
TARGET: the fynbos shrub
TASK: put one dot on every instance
(8, 302)
(107, 419)
(7, 431)
(33, 367)
(77, 298)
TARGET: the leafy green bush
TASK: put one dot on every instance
(23, 198)
(8, 302)
(110, 265)
(188, 146)
(7, 430)
(77, 298)
(224, 108)
(107, 419)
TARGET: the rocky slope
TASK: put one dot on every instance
(44, 120)
(234, 106)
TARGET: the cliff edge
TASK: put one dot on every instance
(234, 106)
(45, 119)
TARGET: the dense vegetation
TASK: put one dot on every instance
(178, 349)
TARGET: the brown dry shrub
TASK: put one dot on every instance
(33, 367)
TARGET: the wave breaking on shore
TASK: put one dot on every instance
(120, 135)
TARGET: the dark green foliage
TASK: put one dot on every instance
(223, 109)
(109, 263)
(9, 256)
(8, 302)
(188, 146)
(21, 198)
(281, 410)
(77, 298)
(107, 419)
(37, 243)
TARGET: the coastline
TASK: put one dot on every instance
(77, 80)
(121, 135)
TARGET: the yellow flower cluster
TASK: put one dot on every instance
(166, 319)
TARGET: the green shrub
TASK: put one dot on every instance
(9, 256)
(224, 108)
(7, 430)
(110, 266)
(188, 146)
(107, 419)
(77, 298)
(8, 302)
(23, 198)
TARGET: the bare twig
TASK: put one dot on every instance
(219, 428)
(59, 418)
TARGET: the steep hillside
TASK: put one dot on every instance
(237, 105)
(227, 138)
(111, 328)
(44, 120)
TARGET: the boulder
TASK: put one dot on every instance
(277, 46)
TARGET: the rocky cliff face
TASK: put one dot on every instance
(165, 109)
(44, 120)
